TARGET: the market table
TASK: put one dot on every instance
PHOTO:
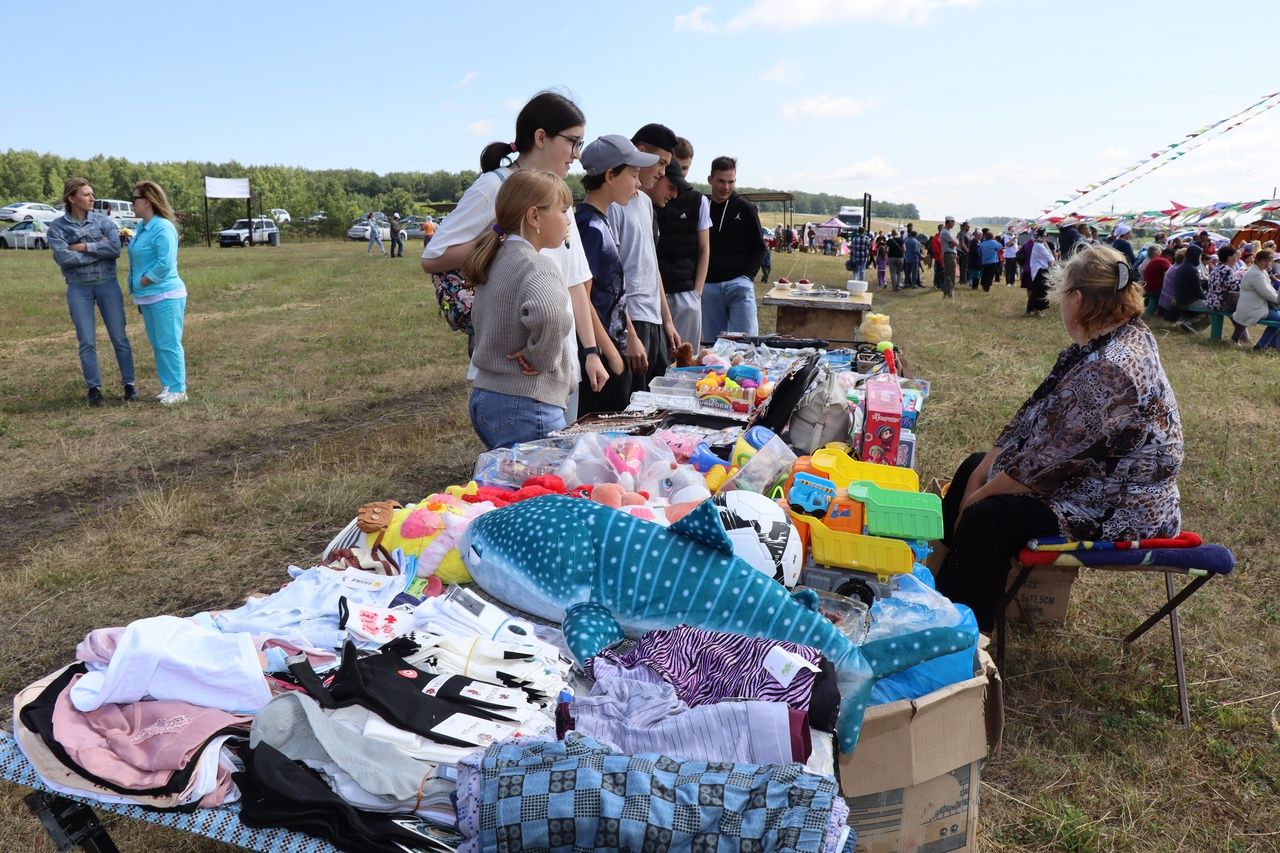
(803, 315)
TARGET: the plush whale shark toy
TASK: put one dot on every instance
(599, 571)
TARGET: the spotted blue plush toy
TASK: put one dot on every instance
(601, 572)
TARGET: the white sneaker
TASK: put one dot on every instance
(163, 391)
(168, 398)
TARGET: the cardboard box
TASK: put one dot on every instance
(1042, 600)
(883, 423)
(912, 782)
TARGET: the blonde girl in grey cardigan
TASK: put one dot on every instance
(521, 314)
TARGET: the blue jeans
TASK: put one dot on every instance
(1271, 337)
(501, 420)
(163, 320)
(81, 298)
(729, 306)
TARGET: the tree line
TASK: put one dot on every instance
(341, 194)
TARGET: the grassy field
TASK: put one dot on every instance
(322, 378)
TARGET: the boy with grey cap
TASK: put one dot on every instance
(613, 165)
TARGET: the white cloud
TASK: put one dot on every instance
(771, 14)
(482, 127)
(513, 103)
(467, 80)
(874, 169)
(827, 106)
(784, 71)
(694, 21)
(1114, 154)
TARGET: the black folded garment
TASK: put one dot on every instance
(277, 792)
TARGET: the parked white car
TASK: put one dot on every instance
(360, 231)
(32, 234)
(18, 211)
(264, 232)
(280, 215)
(121, 211)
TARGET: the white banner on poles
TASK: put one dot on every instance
(226, 188)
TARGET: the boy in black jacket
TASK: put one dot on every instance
(737, 246)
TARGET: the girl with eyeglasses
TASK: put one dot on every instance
(549, 137)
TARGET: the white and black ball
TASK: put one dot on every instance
(761, 534)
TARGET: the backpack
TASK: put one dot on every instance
(823, 415)
(454, 295)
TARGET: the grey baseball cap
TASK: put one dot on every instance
(612, 151)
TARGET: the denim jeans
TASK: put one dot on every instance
(81, 298)
(164, 320)
(729, 306)
(501, 420)
(1271, 337)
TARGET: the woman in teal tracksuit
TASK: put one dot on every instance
(156, 288)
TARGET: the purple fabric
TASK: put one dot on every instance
(710, 666)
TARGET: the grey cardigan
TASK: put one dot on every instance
(524, 306)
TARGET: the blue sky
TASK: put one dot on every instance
(972, 107)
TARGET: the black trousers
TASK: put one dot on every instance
(1038, 292)
(983, 542)
(613, 397)
(990, 273)
(1010, 270)
(655, 344)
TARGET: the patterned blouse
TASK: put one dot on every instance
(1223, 279)
(1100, 441)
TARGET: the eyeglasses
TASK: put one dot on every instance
(139, 197)
(576, 140)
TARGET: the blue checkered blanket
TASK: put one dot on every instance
(576, 795)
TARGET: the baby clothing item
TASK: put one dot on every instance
(307, 609)
(165, 657)
(366, 773)
(205, 779)
(710, 666)
(577, 794)
(278, 792)
(633, 716)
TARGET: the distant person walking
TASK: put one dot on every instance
(85, 246)
(396, 242)
(895, 250)
(374, 236)
(157, 290)
(428, 231)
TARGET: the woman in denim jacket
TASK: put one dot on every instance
(156, 288)
(85, 246)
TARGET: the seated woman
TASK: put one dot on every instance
(1259, 300)
(1093, 454)
(521, 314)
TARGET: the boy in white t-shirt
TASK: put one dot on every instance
(651, 337)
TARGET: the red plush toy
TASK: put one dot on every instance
(534, 487)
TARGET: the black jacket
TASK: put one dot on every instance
(736, 242)
(1187, 287)
(678, 241)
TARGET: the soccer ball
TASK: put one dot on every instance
(761, 534)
